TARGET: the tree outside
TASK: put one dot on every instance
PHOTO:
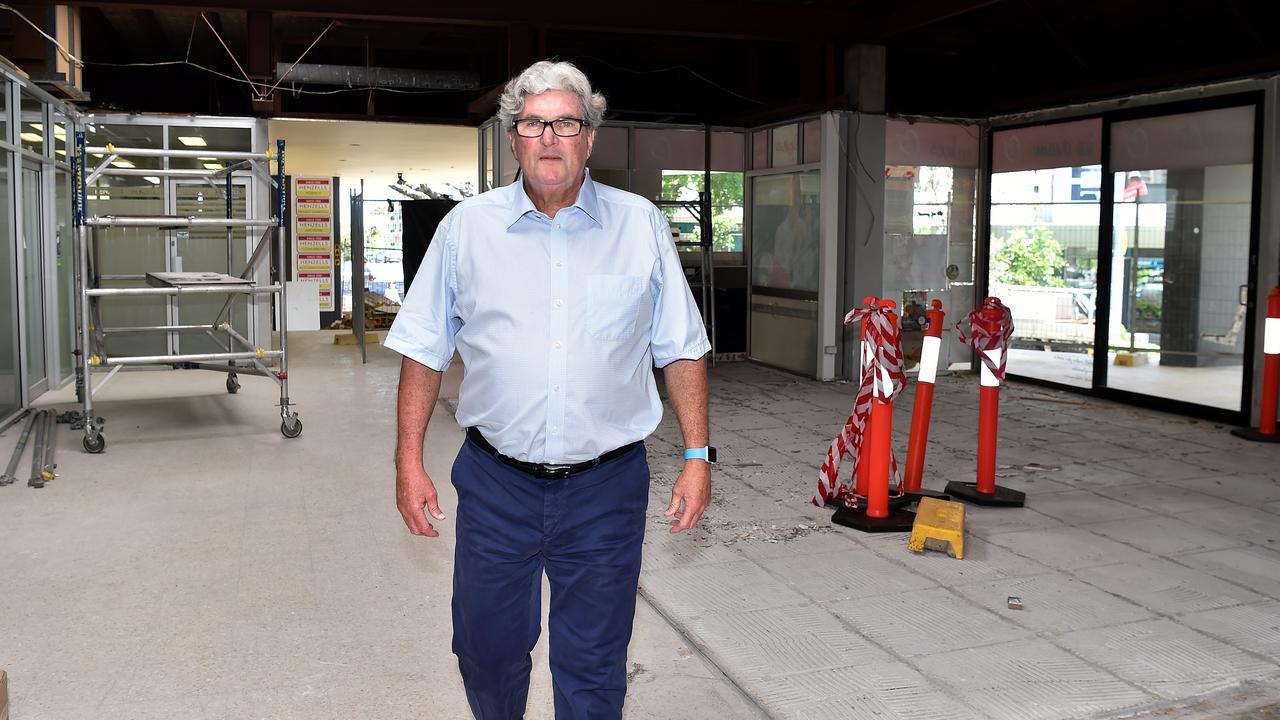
(1028, 256)
(726, 206)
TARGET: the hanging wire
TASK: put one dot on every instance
(65, 53)
(231, 55)
(304, 54)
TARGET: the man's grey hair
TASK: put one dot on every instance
(544, 76)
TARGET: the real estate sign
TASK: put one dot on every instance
(313, 235)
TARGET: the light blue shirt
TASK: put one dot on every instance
(558, 321)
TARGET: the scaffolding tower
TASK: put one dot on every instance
(239, 355)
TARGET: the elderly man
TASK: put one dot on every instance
(560, 295)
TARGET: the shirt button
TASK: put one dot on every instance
(559, 264)
(557, 346)
(557, 226)
(555, 388)
(559, 302)
(554, 429)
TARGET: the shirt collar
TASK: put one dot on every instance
(587, 201)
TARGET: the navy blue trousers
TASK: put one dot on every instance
(586, 533)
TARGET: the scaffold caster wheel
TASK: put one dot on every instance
(95, 443)
(291, 427)
(233, 385)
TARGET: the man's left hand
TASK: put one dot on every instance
(690, 496)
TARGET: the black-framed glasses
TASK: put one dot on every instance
(562, 127)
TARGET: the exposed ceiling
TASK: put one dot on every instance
(732, 62)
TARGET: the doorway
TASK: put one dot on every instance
(207, 249)
(31, 241)
(1182, 257)
(1125, 246)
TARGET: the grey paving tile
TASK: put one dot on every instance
(884, 691)
(1162, 497)
(1166, 587)
(1252, 489)
(983, 560)
(1079, 507)
(1245, 523)
(739, 586)
(1238, 457)
(1031, 680)
(853, 573)
(1159, 464)
(1067, 547)
(1088, 474)
(823, 540)
(781, 641)
(1255, 628)
(1168, 659)
(1053, 603)
(1162, 535)
(924, 622)
(739, 419)
(664, 550)
(985, 521)
(1255, 568)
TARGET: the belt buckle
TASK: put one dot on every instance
(554, 472)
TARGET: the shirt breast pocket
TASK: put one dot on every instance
(613, 305)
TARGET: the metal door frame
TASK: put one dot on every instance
(172, 184)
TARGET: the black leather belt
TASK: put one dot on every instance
(544, 470)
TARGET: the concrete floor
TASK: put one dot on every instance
(206, 567)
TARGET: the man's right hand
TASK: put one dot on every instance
(415, 491)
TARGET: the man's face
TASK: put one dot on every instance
(550, 162)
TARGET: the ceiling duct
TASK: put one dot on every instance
(359, 76)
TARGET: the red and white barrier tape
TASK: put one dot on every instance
(985, 340)
(883, 376)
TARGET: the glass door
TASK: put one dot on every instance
(1182, 188)
(10, 378)
(31, 240)
(210, 249)
(1043, 260)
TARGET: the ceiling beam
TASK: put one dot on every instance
(906, 17)
(706, 18)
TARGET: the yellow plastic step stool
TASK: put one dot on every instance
(940, 521)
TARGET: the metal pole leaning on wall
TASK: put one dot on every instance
(94, 440)
(1266, 430)
(290, 425)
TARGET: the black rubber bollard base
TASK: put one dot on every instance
(898, 520)
(1255, 435)
(916, 496)
(1002, 497)
(894, 502)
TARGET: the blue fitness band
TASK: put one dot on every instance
(706, 454)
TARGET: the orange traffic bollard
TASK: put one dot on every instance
(991, 326)
(863, 467)
(1266, 430)
(887, 378)
(923, 409)
(831, 489)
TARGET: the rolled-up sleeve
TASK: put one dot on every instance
(677, 331)
(425, 326)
